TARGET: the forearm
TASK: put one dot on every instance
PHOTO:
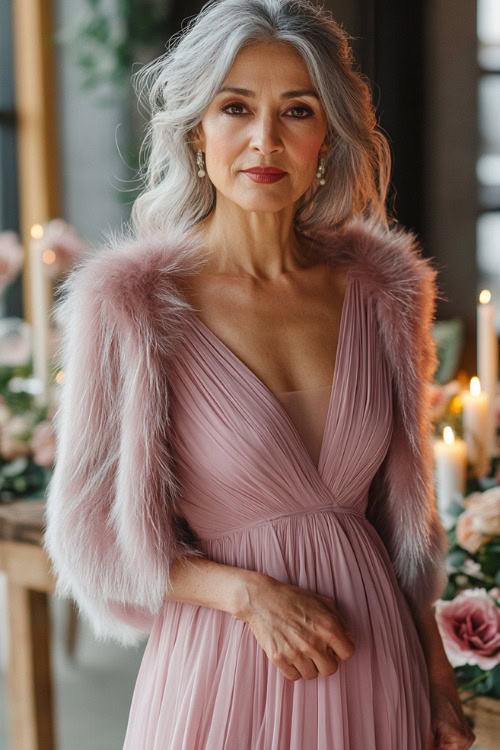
(197, 580)
(439, 668)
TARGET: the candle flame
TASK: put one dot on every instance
(36, 231)
(448, 435)
(475, 386)
(484, 296)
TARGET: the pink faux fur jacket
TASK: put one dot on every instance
(113, 521)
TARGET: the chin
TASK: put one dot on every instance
(263, 204)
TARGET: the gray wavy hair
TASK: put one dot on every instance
(178, 87)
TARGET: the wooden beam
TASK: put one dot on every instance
(35, 86)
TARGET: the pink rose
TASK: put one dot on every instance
(480, 521)
(470, 628)
(467, 536)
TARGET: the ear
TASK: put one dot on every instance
(324, 148)
(197, 138)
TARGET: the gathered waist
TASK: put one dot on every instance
(328, 508)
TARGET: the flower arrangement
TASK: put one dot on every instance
(468, 614)
(27, 442)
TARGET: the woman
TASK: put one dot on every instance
(243, 470)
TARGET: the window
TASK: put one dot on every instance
(9, 210)
(488, 162)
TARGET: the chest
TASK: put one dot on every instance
(285, 331)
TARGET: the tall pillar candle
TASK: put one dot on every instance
(475, 427)
(487, 360)
(450, 472)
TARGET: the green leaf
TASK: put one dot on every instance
(457, 557)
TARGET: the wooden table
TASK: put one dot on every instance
(29, 582)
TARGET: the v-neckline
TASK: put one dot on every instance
(276, 404)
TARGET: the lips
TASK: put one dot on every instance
(266, 177)
(265, 170)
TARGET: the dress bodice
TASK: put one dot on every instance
(314, 449)
(308, 408)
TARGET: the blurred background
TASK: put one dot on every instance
(70, 131)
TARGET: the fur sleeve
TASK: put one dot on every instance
(109, 524)
(402, 504)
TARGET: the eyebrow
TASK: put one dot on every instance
(284, 95)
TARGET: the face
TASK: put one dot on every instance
(263, 126)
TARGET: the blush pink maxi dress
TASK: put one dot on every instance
(279, 483)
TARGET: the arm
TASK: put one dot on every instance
(449, 723)
(207, 583)
(439, 668)
(110, 532)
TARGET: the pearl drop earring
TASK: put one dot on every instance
(201, 166)
(320, 174)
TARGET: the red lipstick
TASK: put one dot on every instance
(265, 174)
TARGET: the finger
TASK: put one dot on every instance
(306, 667)
(327, 663)
(287, 670)
(342, 646)
(343, 629)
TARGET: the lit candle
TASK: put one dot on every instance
(487, 361)
(475, 424)
(450, 466)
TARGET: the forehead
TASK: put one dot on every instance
(275, 63)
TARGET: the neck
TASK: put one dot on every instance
(242, 243)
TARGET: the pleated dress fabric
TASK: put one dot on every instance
(279, 483)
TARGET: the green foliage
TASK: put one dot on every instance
(489, 558)
(20, 476)
(104, 45)
(19, 402)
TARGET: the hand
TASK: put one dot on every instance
(450, 730)
(301, 631)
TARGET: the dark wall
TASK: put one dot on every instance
(421, 58)
(389, 48)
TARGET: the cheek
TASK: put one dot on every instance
(306, 150)
(223, 143)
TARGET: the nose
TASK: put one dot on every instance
(265, 135)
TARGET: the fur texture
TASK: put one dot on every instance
(113, 522)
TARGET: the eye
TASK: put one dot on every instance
(307, 110)
(298, 108)
(229, 106)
